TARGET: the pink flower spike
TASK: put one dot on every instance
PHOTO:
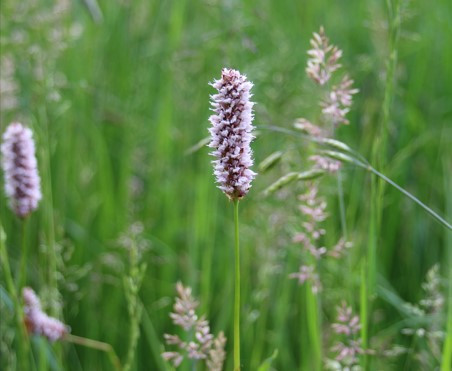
(37, 321)
(231, 133)
(22, 182)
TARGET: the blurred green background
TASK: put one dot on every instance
(117, 97)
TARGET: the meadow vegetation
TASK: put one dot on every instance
(130, 252)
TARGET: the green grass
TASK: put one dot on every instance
(136, 98)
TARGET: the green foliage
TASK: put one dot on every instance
(118, 112)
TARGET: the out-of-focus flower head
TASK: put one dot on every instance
(203, 346)
(323, 58)
(20, 167)
(37, 321)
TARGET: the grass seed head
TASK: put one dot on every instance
(323, 58)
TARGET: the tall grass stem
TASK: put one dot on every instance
(340, 191)
(379, 159)
(312, 306)
(98, 345)
(23, 344)
(446, 357)
(132, 284)
(237, 289)
(49, 213)
(363, 310)
(357, 159)
(435, 215)
(23, 254)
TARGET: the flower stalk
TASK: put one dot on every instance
(97, 345)
(24, 255)
(237, 289)
(23, 343)
(231, 136)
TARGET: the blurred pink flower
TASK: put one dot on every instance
(39, 322)
(323, 58)
(22, 182)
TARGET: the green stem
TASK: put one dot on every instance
(379, 154)
(366, 166)
(134, 334)
(237, 290)
(50, 219)
(363, 309)
(312, 307)
(360, 161)
(446, 358)
(411, 197)
(23, 344)
(43, 365)
(24, 255)
(340, 192)
(98, 345)
(259, 340)
(132, 286)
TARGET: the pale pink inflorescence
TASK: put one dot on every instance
(307, 274)
(37, 321)
(313, 208)
(322, 64)
(323, 58)
(347, 323)
(184, 308)
(325, 163)
(309, 128)
(204, 346)
(340, 249)
(348, 348)
(323, 61)
(217, 354)
(231, 133)
(338, 102)
(22, 182)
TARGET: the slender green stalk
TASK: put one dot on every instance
(132, 284)
(363, 309)
(411, 197)
(312, 312)
(98, 345)
(153, 341)
(356, 158)
(134, 334)
(259, 340)
(366, 166)
(446, 357)
(51, 262)
(23, 343)
(340, 191)
(237, 290)
(23, 254)
(43, 365)
(379, 159)
(369, 265)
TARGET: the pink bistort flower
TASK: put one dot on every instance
(22, 182)
(37, 321)
(231, 133)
